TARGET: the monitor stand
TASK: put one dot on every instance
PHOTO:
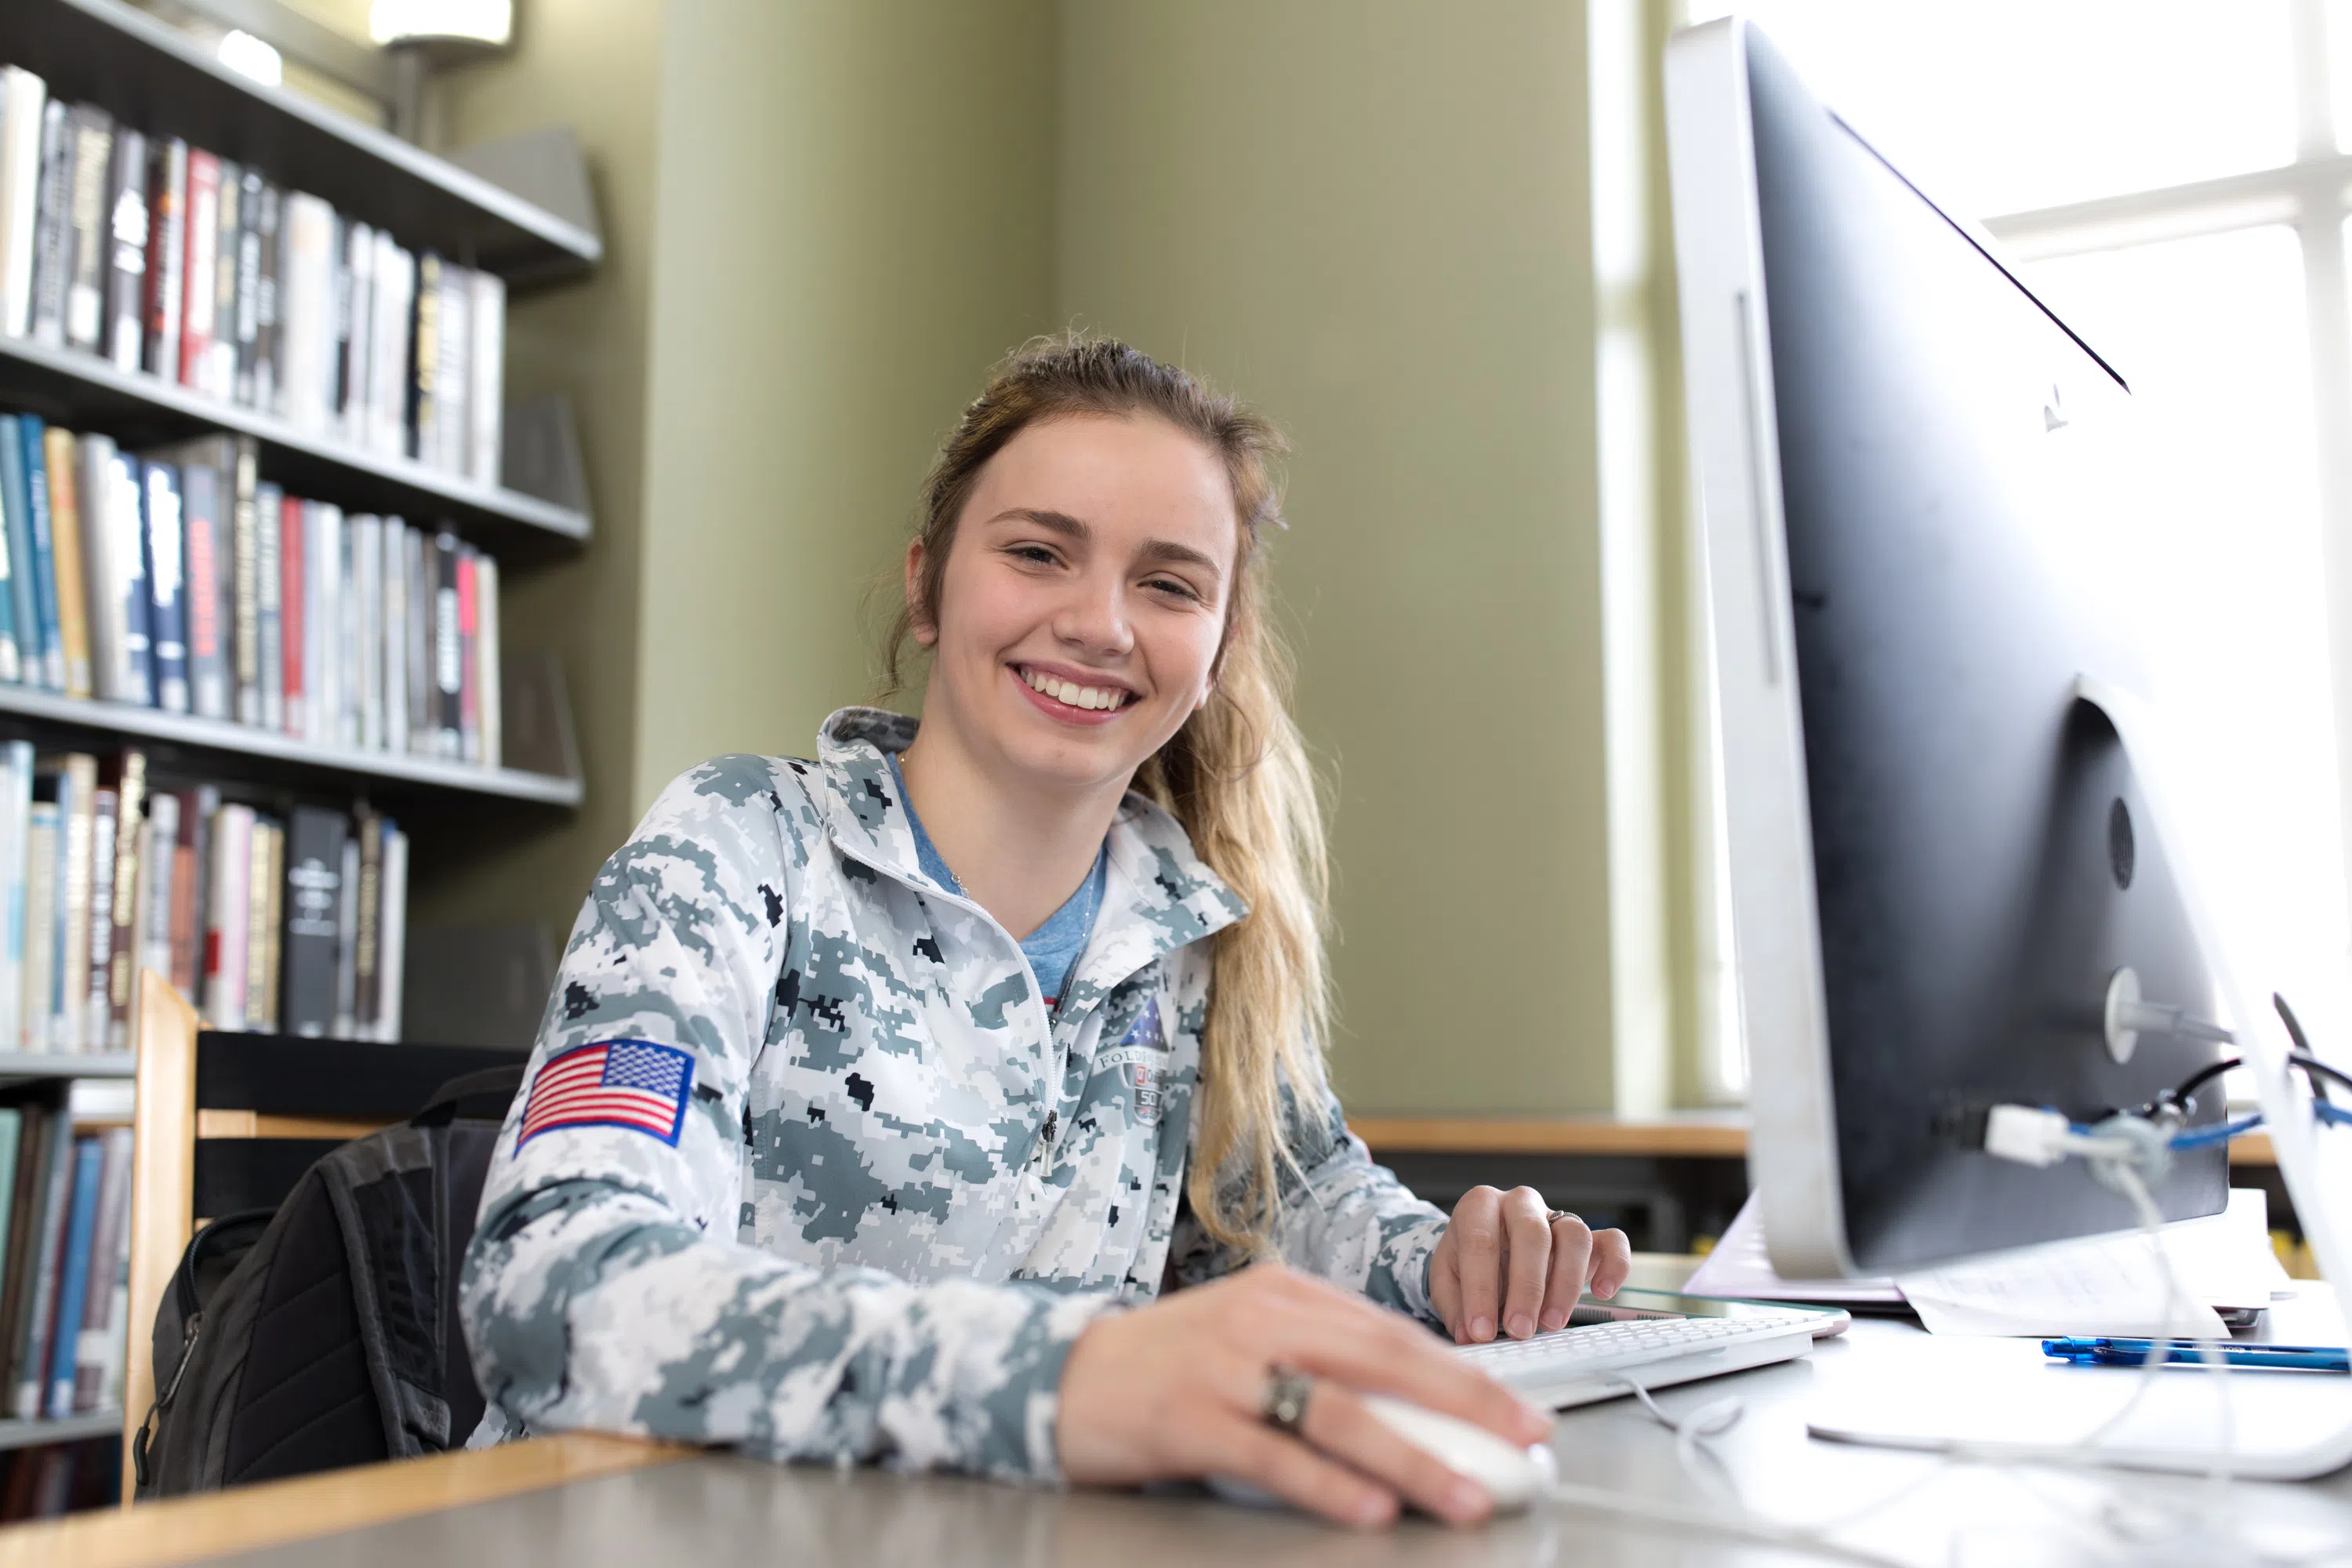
(2281, 1425)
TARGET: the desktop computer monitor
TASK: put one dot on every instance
(1947, 884)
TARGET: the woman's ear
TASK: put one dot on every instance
(918, 613)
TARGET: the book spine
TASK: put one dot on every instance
(109, 626)
(358, 293)
(66, 575)
(260, 930)
(189, 862)
(268, 376)
(220, 373)
(367, 953)
(53, 227)
(167, 240)
(469, 683)
(293, 624)
(449, 651)
(17, 513)
(23, 98)
(122, 335)
(93, 246)
(77, 790)
(314, 882)
(346, 634)
(40, 926)
(227, 920)
(167, 596)
(245, 548)
(48, 1263)
(106, 820)
(308, 296)
(424, 364)
(159, 865)
(269, 512)
(393, 651)
(423, 724)
(392, 935)
(485, 400)
(347, 942)
(199, 269)
(28, 1209)
(320, 614)
(388, 377)
(249, 284)
(199, 507)
(106, 1238)
(73, 1278)
(16, 840)
(17, 636)
(126, 520)
(452, 342)
(339, 319)
(367, 594)
(12, 1127)
(122, 955)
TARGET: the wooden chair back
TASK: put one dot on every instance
(228, 1121)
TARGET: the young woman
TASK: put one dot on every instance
(957, 1099)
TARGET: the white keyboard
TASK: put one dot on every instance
(1571, 1356)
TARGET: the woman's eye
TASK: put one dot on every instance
(1035, 554)
(1171, 585)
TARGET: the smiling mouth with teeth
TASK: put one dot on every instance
(1069, 692)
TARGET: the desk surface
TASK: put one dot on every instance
(1709, 1134)
(722, 1507)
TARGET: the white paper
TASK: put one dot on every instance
(1741, 1267)
(2109, 1285)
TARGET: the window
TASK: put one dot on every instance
(2171, 174)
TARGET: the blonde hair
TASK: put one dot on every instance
(1236, 776)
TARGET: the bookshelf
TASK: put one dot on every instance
(272, 757)
(137, 69)
(83, 392)
(149, 77)
(62, 1429)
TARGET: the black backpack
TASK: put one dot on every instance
(326, 1333)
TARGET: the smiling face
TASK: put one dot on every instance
(1083, 600)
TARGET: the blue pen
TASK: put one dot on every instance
(2104, 1351)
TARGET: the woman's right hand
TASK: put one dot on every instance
(1176, 1390)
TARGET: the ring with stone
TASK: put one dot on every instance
(1285, 1406)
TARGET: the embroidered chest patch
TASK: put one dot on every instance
(1140, 1058)
(634, 1084)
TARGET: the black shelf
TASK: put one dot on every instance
(82, 391)
(150, 76)
(43, 713)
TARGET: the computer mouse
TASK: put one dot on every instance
(1514, 1477)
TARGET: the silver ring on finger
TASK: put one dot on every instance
(1285, 1406)
(1555, 1215)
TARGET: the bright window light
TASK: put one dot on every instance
(248, 55)
(408, 21)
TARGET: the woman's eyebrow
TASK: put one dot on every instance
(1071, 528)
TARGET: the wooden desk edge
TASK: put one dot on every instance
(273, 1513)
(1697, 1138)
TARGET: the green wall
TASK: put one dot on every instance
(1371, 219)
(1376, 219)
(855, 221)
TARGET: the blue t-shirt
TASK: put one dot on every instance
(1054, 948)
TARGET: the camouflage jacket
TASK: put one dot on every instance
(895, 1190)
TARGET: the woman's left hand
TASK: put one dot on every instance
(1508, 1259)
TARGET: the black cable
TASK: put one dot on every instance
(2303, 1055)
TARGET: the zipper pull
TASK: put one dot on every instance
(1053, 1123)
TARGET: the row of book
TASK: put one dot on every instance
(164, 258)
(179, 579)
(292, 923)
(64, 1264)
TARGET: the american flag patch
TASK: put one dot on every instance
(612, 1083)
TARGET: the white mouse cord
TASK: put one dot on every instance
(1692, 1433)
